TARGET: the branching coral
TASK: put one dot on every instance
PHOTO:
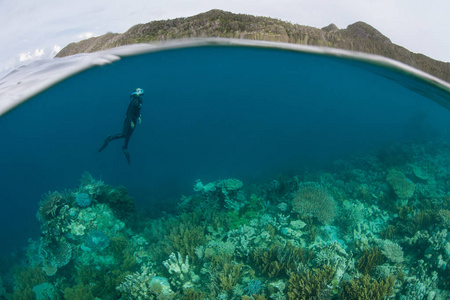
(242, 239)
(231, 274)
(313, 200)
(183, 275)
(224, 275)
(310, 285)
(122, 252)
(145, 285)
(79, 291)
(25, 280)
(191, 294)
(364, 288)
(369, 260)
(184, 238)
(279, 260)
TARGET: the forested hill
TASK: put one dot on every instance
(217, 23)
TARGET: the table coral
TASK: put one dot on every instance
(392, 251)
(403, 186)
(313, 200)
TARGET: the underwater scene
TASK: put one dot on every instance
(225, 170)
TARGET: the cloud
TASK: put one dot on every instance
(56, 49)
(26, 56)
(38, 53)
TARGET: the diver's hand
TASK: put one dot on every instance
(140, 120)
(132, 125)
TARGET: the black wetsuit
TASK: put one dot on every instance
(133, 114)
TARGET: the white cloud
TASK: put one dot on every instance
(38, 53)
(56, 49)
(25, 56)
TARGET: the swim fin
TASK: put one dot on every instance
(127, 155)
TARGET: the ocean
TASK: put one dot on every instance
(282, 134)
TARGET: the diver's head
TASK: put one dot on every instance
(138, 92)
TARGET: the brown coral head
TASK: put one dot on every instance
(313, 200)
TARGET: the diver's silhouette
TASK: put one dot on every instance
(133, 115)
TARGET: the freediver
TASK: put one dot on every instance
(133, 115)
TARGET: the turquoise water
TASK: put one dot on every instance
(219, 112)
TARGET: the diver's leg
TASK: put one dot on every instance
(110, 138)
(127, 155)
(125, 147)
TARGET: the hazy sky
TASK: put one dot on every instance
(32, 29)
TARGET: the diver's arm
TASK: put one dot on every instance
(140, 106)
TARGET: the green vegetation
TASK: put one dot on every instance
(217, 23)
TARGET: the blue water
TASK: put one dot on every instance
(209, 113)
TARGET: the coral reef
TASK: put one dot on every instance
(403, 186)
(80, 291)
(365, 288)
(82, 199)
(369, 260)
(145, 285)
(392, 251)
(313, 200)
(253, 287)
(95, 241)
(375, 227)
(279, 260)
(310, 284)
(184, 238)
(25, 280)
(54, 254)
(50, 206)
(45, 291)
(184, 276)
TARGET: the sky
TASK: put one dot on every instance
(32, 30)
